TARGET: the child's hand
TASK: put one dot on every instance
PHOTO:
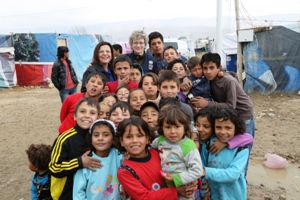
(89, 162)
(105, 90)
(123, 82)
(167, 177)
(217, 146)
(186, 84)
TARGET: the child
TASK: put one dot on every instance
(100, 139)
(149, 84)
(109, 99)
(137, 97)
(66, 155)
(170, 54)
(38, 157)
(104, 110)
(120, 111)
(200, 84)
(94, 87)
(139, 174)
(122, 68)
(149, 113)
(180, 158)
(225, 91)
(165, 102)
(122, 93)
(168, 85)
(194, 135)
(226, 172)
(136, 73)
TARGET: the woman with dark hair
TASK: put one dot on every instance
(63, 74)
(103, 59)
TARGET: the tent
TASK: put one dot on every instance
(7, 64)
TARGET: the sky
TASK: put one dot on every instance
(50, 15)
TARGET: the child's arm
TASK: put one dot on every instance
(232, 173)
(65, 109)
(79, 185)
(33, 189)
(137, 190)
(239, 140)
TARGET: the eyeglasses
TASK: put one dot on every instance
(138, 43)
(102, 51)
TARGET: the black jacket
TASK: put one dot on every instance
(58, 75)
(96, 68)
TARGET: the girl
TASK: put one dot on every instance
(137, 97)
(109, 99)
(120, 111)
(226, 173)
(139, 175)
(87, 184)
(104, 110)
(180, 158)
(149, 84)
(136, 73)
(122, 93)
(66, 155)
(180, 69)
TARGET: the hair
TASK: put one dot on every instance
(96, 53)
(169, 101)
(126, 87)
(234, 116)
(173, 62)
(170, 47)
(155, 35)
(133, 121)
(168, 75)
(97, 74)
(149, 74)
(136, 35)
(190, 133)
(118, 47)
(90, 101)
(208, 113)
(123, 105)
(61, 50)
(172, 116)
(122, 58)
(89, 135)
(103, 96)
(39, 155)
(135, 89)
(137, 66)
(211, 57)
(193, 61)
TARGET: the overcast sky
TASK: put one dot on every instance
(41, 16)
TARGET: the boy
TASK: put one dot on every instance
(149, 113)
(122, 68)
(226, 91)
(94, 87)
(117, 50)
(168, 86)
(200, 84)
(39, 156)
(68, 155)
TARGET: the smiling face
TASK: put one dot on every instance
(150, 115)
(138, 46)
(104, 54)
(204, 128)
(137, 99)
(225, 130)
(122, 69)
(122, 94)
(170, 55)
(85, 115)
(102, 139)
(118, 115)
(104, 111)
(94, 87)
(149, 87)
(135, 76)
(179, 70)
(135, 141)
(173, 132)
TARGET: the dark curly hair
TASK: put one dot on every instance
(132, 121)
(234, 116)
(39, 155)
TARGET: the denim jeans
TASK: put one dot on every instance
(250, 128)
(66, 92)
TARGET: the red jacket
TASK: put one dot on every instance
(113, 86)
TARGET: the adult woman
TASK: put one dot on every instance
(138, 41)
(63, 74)
(103, 59)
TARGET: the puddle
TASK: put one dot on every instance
(288, 178)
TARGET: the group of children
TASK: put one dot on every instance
(142, 139)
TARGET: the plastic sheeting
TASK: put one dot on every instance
(272, 62)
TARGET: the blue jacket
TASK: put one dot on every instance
(201, 87)
(149, 63)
